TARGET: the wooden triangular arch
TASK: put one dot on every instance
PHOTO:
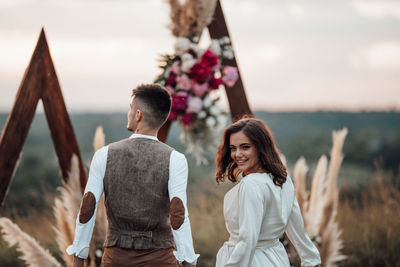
(236, 95)
(39, 82)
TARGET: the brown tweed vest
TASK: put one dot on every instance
(136, 194)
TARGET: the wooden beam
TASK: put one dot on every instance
(236, 95)
(39, 82)
(58, 119)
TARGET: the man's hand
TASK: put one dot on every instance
(78, 262)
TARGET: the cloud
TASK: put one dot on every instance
(296, 10)
(377, 9)
(271, 53)
(382, 56)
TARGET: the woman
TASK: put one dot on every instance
(262, 206)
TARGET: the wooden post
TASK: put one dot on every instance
(39, 82)
(236, 95)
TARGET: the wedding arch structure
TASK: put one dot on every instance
(40, 82)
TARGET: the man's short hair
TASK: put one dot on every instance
(155, 103)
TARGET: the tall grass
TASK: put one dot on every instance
(371, 225)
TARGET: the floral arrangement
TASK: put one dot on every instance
(191, 75)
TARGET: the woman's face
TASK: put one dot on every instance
(244, 153)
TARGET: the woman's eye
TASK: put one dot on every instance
(233, 148)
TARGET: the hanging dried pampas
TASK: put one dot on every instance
(190, 17)
(319, 205)
(32, 253)
(66, 208)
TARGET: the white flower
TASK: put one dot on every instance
(196, 39)
(222, 121)
(202, 114)
(207, 102)
(186, 57)
(215, 47)
(181, 45)
(228, 54)
(187, 62)
(214, 110)
(226, 40)
(197, 49)
(187, 65)
(195, 105)
(210, 121)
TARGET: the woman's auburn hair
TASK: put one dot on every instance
(261, 137)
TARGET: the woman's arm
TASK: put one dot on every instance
(251, 212)
(296, 233)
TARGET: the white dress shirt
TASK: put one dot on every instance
(178, 175)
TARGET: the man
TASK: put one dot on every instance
(144, 183)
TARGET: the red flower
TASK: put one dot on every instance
(171, 80)
(187, 118)
(199, 72)
(215, 82)
(179, 101)
(209, 58)
(173, 115)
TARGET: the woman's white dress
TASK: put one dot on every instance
(257, 213)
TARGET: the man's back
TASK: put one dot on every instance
(136, 194)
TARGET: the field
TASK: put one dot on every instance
(369, 180)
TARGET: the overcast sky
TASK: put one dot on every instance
(293, 55)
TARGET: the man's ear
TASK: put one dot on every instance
(138, 115)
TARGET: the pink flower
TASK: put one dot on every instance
(214, 82)
(184, 82)
(179, 101)
(200, 89)
(230, 75)
(175, 68)
(173, 115)
(209, 58)
(200, 72)
(187, 119)
(195, 105)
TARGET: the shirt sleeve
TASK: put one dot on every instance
(251, 210)
(296, 233)
(180, 223)
(94, 187)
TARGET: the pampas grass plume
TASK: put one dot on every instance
(32, 253)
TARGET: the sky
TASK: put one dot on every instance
(292, 55)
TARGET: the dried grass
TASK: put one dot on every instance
(32, 253)
(320, 208)
(371, 225)
(188, 19)
(65, 209)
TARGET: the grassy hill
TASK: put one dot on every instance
(372, 135)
